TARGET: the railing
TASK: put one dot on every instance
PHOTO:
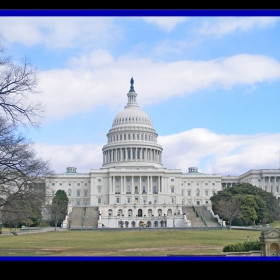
(199, 215)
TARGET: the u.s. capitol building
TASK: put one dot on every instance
(133, 188)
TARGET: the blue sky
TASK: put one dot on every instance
(210, 85)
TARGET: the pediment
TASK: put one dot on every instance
(274, 233)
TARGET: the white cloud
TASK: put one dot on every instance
(84, 157)
(226, 25)
(211, 152)
(60, 32)
(220, 154)
(165, 23)
(98, 79)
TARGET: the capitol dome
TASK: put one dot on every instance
(132, 137)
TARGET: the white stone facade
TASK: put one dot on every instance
(132, 185)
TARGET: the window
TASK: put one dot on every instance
(197, 184)
(78, 184)
(172, 189)
(85, 203)
(85, 192)
(85, 184)
(189, 184)
(154, 180)
(143, 180)
(69, 184)
(117, 200)
(52, 193)
(117, 189)
(172, 180)
(189, 193)
(135, 180)
(198, 203)
(128, 180)
(128, 189)
(150, 213)
(172, 199)
(53, 184)
(99, 200)
(206, 184)
(78, 192)
(206, 193)
(169, 212)
(197, 192)
(144, 189)
(78, 202)
(60, 184)
(99, 190)
(130, 213)
(213, 184)
(110, 212)
(69, 192)
(99, 180)
(117, 180)
(128, 200)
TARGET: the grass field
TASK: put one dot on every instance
(123, 243)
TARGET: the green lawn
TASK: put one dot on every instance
(123, 243)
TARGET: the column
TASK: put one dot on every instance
(140, 184)
(125, 154)
(113, 178)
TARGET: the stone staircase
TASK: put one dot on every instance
(204, 216)
(191, 215)
(84, 216)
(207, 216)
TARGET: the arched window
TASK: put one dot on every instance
(130, 213)
(150, 212)
(169, 212)
(159, 212)
(136, 189)
(69, 192)
(110, 212)
(120, 212)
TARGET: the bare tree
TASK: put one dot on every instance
(17, 83)
(22, 174)
(229, 209)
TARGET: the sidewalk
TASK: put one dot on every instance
(30, 231)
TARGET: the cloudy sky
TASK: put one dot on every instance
(211, 85)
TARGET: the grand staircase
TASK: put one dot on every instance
(84, 216)
(200, 216)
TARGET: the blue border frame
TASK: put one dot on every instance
(139, 12)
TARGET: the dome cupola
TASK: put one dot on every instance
(132, 137)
